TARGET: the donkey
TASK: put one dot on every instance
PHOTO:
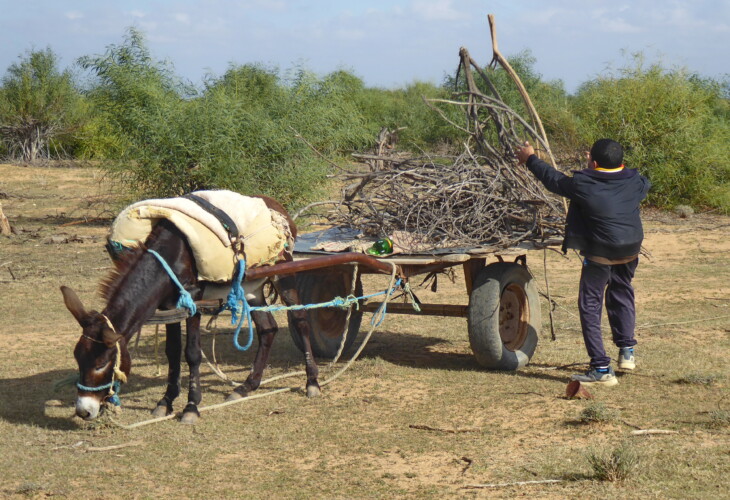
(135, 289)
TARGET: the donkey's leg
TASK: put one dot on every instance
(173, 351)
(286, 286)
(193, 356)
(266, 329)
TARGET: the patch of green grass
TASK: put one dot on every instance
(598, 413)
(616, 464)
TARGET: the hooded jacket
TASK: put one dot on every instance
(603, 217)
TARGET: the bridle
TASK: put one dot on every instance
(118, 376)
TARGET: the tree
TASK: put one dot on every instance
(673, 125)
(37, 104)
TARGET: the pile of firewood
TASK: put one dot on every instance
(480, 197)
(447, 202)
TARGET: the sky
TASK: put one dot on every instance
(387, 43)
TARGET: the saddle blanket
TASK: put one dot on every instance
(263, 233)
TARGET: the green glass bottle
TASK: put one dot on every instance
(383, 246)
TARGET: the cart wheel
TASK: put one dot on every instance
(327, 323)
(504, 316)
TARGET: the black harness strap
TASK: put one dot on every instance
(219, 214)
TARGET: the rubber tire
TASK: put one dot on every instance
(483, 316)
(327, 323)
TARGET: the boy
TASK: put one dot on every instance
(604, 224)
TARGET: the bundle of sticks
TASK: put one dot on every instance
(480, 197)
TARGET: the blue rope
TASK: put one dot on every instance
(113, 399)
(185, 300)
(94, 389)
(235, 296)
(382, 309)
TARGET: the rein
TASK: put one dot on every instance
(185, 300)
(118, 376)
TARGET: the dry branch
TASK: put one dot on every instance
(516, 483)
(114, 447)
(643, 432)
(438, 429)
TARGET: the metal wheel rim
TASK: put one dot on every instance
(514, 316)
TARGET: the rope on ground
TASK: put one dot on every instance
(376, 320)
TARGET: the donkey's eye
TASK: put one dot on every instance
(102, 361)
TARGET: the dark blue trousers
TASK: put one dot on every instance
(613, 281)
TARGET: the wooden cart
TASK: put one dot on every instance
(503, 309)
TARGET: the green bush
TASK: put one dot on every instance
(616, 464)
(40, 107)
(236, 133)
(674, 127)
(598, 413)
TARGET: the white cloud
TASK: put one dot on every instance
(74, 14)
(350, 34)
(619, 26)
(181, 17)
(137, 13)
(437, 10)
(148, 25)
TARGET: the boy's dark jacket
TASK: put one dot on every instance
(603, 217)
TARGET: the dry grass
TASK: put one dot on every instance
(357, 441)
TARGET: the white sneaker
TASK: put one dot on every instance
(626, 359)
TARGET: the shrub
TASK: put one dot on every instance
(597, 413)
(673, 126)
(40, 107)
(616, 464)
(719, 418)
(234, 134)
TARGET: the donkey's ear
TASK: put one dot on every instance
(74, 305)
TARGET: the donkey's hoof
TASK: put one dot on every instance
(190, 417)
(161, 411)
(190, 414)
(313, 391)
(234, 396)
(239, 392)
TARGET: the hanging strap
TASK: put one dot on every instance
(219, 214)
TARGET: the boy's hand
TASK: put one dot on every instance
(524, 153)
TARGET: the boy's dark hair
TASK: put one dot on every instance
(607, 153)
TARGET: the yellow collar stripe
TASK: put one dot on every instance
(617, 169)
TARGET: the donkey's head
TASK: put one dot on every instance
(101, 354)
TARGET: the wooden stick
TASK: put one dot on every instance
(642, 432)
(547, 291)
(517, 483)
(498, 58)
(436, 429)
(114, 447)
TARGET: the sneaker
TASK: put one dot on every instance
(626, 358)
(597, 376)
